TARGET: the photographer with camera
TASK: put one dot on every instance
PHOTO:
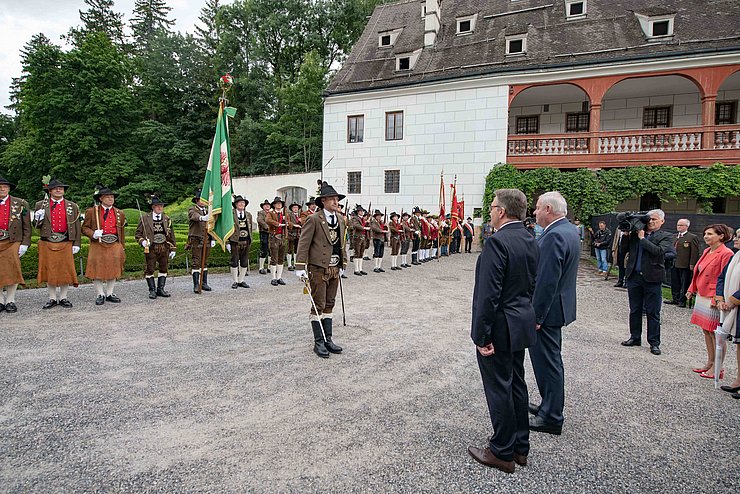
(646, 246)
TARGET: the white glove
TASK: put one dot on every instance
(97, 233)
(228, 247)
(172, 255)
(39, 215)
(204, 217)
(213, 243)
(341, 272)
(301, 273)
(22, 250)
(145, 243)
(75, 250)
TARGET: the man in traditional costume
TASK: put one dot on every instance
(15, 238)
(156, 235)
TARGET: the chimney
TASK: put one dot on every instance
(431, 22)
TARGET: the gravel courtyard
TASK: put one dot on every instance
(222, 393)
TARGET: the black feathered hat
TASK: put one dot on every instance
(103, 191)
(327, 191)
(238, 199)
(3, 181)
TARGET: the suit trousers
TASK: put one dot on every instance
(264, 245)
(240, 254)
(196, 251)
(378, 248)
(324, 284)
(415, 245)
(645, 296)
(507, 398)
(680, 281)
(547, 364)
(158, 257)
(277, 250)
(468, 243)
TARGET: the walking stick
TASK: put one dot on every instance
(307, 291)
(341, 297)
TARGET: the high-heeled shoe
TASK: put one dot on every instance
(711, 376)
(730, 389)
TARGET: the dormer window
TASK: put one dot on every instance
(406, 61)
(656, 27)
(423, 9)
(466, 25)
(516, 45)
(387, 39)
(575, 9)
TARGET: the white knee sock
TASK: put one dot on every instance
(280, 271)
(99, 287)
(234, 275)
(262, 263)
(242, 272)
(357, 265)
(10, 293)
(109, 285)
(52, 289)
(63, 291)
(273, 270)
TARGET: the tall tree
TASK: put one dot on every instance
(100, 17)
(209, 32)
(149, 17)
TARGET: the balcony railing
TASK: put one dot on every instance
(685, 139)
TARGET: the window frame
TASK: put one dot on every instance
(578, 125)
(654, 110)
(397, 181)
(394, 114)
(354, 183)
(732, 105)
(519, 37)
(527, 118)
(569, 3)
(468, 18)
(399, 61)
(359, 128)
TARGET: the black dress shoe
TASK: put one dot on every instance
(729, 389)
(533, 409)
(49, 304)
(357, 273)
(632, 342)
(363, 273)
(670, 302)
(2, 307)
(263, 271)
(365, 258)
(112, 298)
(736, 396)
(274, 282)
(619, 284)
(538, 424)
(376, 270)
(242, 284)
(10, 307)
(344, 276)
(381, 270)
(100, 300)
(65, 303)
(280, 281)
(291, 268)
(655, 349)
(235, 285)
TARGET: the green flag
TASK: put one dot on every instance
(217, 191)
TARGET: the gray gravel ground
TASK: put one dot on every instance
(222, 393)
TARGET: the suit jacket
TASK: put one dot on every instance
(505, 276)
(555, 294)
(704, 282)
(358, 229)
(687, 250)
(73, 220)
(654, 248)
(145, 230)
(293, 220)
(261, 223)
(377, 229)
(271, 218)
(416, 225)
(314, 246)
(89, 225)
(196, 227)
(235, 236)
(19, 226)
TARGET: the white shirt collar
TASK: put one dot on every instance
(329, 215)
(2, 201)
(548, 226)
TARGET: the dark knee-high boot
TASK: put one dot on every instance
(196, 282)
(152, 289)
(318, 340)
(330, 345)
(161, 282)
(206, 288)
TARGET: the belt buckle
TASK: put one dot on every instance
(333, 261)
(57, 237)
(158, 238)
(109, 238)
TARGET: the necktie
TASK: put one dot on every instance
(105, 214)
(332, 221)
(156, 217)
(54, 205)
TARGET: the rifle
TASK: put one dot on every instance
(143, 226)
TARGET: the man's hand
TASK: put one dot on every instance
(75, 250)
(300, 273)
(213, 243)
(39, 215)
(172, 255)
(22, 250)
(97, 233)
(689, 295)
(144, 243)
(204, 217)
(537, 326)
(641, 234)
(341, 271)
(487, 350)
(228, 247)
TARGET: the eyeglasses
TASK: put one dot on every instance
(496, 206)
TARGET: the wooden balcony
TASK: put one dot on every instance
(688, 146)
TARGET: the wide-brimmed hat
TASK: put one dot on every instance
(3, 181)
(154, 200)
(294, 204)
(377, 213)
(238, 199)
(358, 208)
(277, 199)
(101, 190)
(265, 202)
(310, 201)
(394, 214)
(55, 183)
(417, 209)
(405, 214)
(196, 197)
(327, 191)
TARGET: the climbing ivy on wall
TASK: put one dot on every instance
(591, 192)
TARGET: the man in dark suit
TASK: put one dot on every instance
(503, 325)
(645, 273)
(554, 306)
(687, 255)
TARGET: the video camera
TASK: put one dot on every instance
(633, 221)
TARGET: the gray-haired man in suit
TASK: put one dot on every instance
(554, 306)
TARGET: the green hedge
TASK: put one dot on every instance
(135, 261)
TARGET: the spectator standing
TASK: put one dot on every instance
(619, 255)
(468, 231)
(728, 301)
(687, 253)
(704, 286)
(602, 239)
